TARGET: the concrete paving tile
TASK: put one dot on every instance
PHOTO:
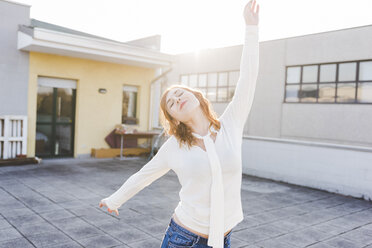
(68, 223)
(4, 224)
(288, 225)
(250, 236)
(49, 239)
(359, 235)
(35, 201)
(82, 232)
(347, 222)
(9, 233)
(247, 222)
(101, 241)
(235, 242)
(129, 235)
(148, 243)
(71, 244)
(36, 228)
(16, 212)
(342, 243)
(320, 245)
(273, 244)
(313, 234)
(56, 214)
(22, 220)
(20, 242)
(265, 217)
(295, 239)
(11, 205)
(269, 230)
(45, 207)
(330, 229)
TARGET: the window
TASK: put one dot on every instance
(338, 82)
(129, 109)
(216, 86)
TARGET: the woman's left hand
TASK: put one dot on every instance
(251, 17)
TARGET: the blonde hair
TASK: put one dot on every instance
(181, 131)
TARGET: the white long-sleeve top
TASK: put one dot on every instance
(192, 166)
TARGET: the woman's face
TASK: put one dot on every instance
(181, 104)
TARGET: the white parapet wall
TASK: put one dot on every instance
(13, 136)
(341, 169)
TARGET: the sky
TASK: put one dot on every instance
(192, 25)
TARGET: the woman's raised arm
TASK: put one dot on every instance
(237, 111)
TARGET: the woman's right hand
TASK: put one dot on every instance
(250, 16)
(103, 203)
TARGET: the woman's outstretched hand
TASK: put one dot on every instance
(102, 203)
(250, 16)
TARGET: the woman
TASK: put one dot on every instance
(205, 153)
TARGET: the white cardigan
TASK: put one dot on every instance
(192, 165)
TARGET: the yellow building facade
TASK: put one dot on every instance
(95, 114)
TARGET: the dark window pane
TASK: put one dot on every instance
(204, 91)
(308, 93)
(327, 73)
(293, 74)
(365, 92)
(202, 80)
(129, 105)
(310, 74)
(292, 93)
(365, 70)
(63, 140)
(64, 105)
(345, 92)
(193, 80)
(230, 93)
(43, 139)
(347, 71)
(233, 77)
(211, 94)
(44, 103)
(222, 79)
(184, 79)
(222, 94)
(212, 79)
(327, 92)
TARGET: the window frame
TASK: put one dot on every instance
(207, 87)
(336, 82)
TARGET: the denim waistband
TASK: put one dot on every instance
(200, 239)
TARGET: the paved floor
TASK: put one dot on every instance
(55, 204)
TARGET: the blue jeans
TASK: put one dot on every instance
(178, 237)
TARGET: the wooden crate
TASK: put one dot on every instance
(115, 152)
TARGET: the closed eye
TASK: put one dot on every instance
(173, 101)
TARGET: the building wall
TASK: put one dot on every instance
(331, 123)
(13, 63)
(270, 116)
(96, 114)
(324, 146)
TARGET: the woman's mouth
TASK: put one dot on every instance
(182, 104)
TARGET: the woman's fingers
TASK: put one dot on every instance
(253, 5)
(116, 211)
(108, 209)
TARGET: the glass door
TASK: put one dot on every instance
(55, 122)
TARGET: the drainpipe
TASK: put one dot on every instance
(155, 107)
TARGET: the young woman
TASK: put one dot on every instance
(205, 153)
